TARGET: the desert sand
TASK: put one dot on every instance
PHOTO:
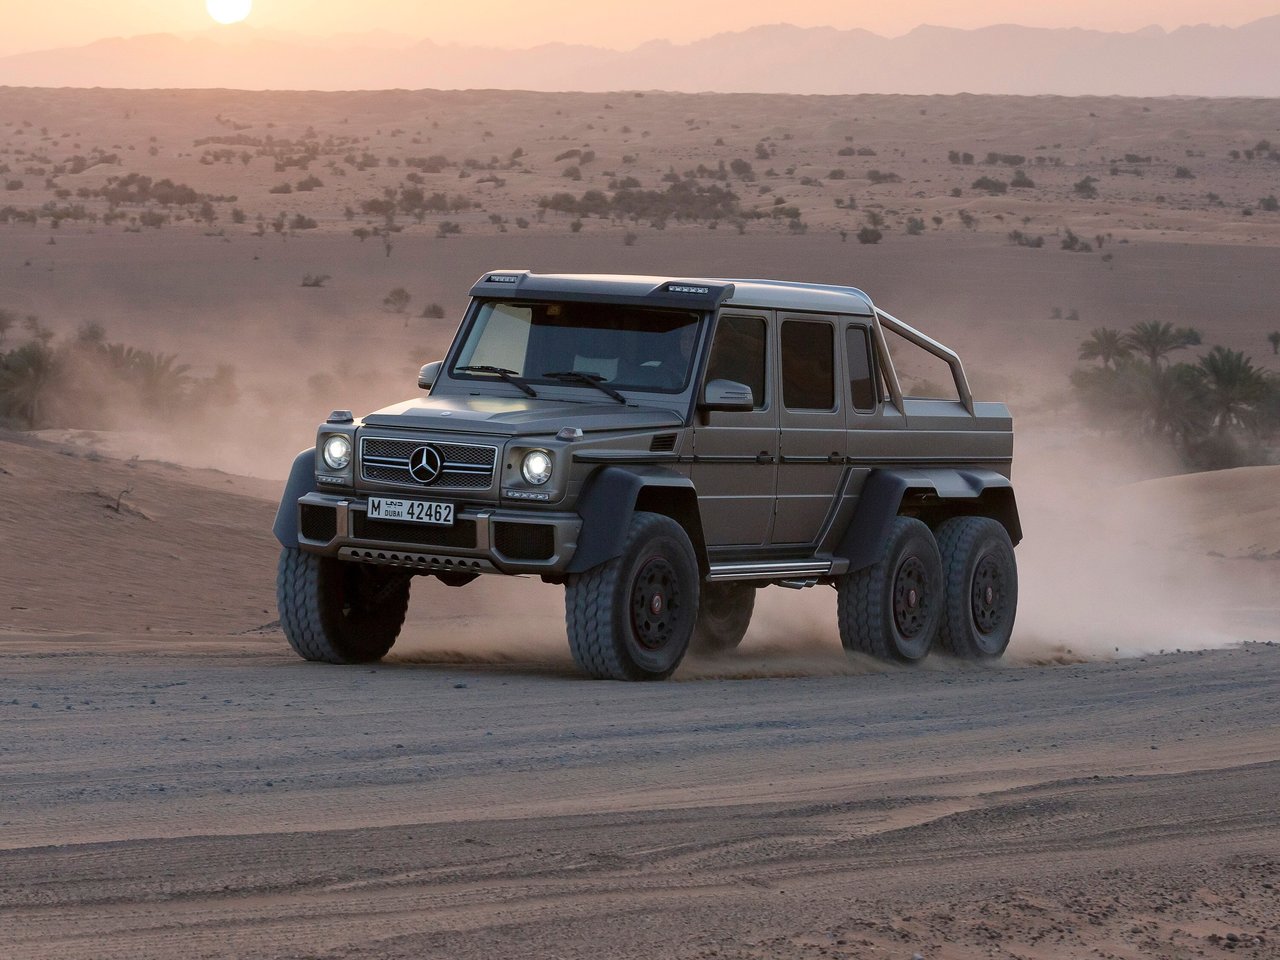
(177, 784)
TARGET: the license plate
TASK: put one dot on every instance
(411, 511)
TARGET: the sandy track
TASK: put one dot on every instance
(246, 805)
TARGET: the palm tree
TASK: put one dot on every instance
(1274, 339)
(26, 376)
(1165, 401)
(1235, 391)
(1155, 340)
(160, 379)
(1106, 345)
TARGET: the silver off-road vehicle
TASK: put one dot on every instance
(662, 448)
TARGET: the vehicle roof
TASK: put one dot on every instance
(695, 292)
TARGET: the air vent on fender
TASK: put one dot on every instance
(663, 443)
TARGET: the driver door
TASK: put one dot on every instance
(735, 453)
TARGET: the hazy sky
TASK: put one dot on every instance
(32, 26)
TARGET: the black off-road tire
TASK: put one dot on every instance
(338, 612)
(617, 630)
(892, 609)
(724, 613)
(981, 577)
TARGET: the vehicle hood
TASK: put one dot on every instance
(513, 417)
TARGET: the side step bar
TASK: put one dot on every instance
(793, 570)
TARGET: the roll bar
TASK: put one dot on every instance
(926, 343)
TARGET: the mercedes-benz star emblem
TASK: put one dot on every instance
(425, 464)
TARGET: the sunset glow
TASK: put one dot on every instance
(229, 11)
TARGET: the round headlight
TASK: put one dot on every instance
(536, 467)
(336, 452)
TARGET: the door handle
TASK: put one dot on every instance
(764, 457)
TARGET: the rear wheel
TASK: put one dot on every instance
(339, 612)
(631, 617)
(981, 577)
(724, 613)
(891, 609)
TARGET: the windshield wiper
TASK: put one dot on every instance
(589, 379)
(510, 376)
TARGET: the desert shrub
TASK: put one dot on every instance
(572, 173)
(433, 311)
(629, 239)
(309, 184)
(397, 301)
(13, 184)
(315, 279)
(1018, 238)
(568, 155)
(301, 222)
(915, 226)
(1070, 241)
(1007, 159)
(1270, 204)
(1085, 188)
(742, 169)
(990, 185)
(447, 228)
(281, 188)
(575, 226)
(836, 174)
(869, 235)
(522, 223)
(1021, 180)
(883, 176)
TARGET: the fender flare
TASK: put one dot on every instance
(607, 504)
(883, 493)
(302, 480)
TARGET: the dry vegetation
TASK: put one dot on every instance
(305, 250)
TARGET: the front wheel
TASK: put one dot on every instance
(339, 612)
(892, 609)
(631, 617)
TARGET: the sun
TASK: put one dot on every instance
(229, 11)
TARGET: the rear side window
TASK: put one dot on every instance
(737, 354)
(862, 388)
(808, 365)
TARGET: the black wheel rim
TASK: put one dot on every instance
(656, 603)
(911, 598)
(987, 595)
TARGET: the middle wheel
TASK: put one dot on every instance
(893, 608)
(631, 618)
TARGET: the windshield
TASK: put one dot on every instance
(625, 347)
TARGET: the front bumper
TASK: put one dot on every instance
(482, 539)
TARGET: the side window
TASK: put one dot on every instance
(808, 365)
(862, 388)
(738, 352)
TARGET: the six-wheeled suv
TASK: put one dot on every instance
(662, 448)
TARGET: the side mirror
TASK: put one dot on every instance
(429, 374)
(727, 395)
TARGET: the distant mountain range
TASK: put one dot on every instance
(1193, 61)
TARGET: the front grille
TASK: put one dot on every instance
(319, 523)
(464, 466)
(525, 541)
(462, 534)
